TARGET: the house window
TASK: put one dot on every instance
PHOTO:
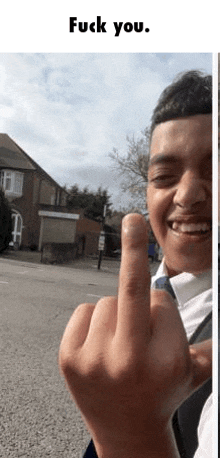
(58, 197)
(18, 182)
(52, 199)
(8, 184)
(12, 182)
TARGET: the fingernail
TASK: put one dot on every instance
(134, 226)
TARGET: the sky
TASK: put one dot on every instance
(69, 110)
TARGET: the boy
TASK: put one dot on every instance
(127, 360)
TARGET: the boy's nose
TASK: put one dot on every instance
(191, 190)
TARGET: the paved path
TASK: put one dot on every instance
(38, 419)
(109, 265)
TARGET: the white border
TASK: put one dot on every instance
(215, 255)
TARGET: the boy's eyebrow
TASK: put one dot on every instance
(162, 159)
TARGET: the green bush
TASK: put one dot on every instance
(5, 222)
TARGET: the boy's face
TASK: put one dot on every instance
(179, 194)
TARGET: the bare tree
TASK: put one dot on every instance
(133, 167)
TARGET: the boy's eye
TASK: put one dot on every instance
(163, 179)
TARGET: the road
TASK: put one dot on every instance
(38, 418)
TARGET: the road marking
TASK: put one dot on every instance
(94, 295)
(4, 282)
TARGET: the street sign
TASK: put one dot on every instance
(101, 242)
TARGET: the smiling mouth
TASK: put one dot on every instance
(193, 229)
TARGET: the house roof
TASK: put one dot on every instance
(12, 156)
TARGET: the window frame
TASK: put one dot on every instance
(15, 180)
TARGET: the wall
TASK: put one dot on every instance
(88, 232)
(58, 253)
(47, 193)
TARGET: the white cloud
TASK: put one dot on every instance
(69, 110)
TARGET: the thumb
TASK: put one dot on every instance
(201, 358)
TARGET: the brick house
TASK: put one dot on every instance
(36, 199)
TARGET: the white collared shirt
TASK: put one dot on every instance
(194, 296)
(194, 301)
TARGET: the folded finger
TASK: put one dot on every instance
(76, 331)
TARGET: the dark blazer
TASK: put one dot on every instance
(186, 418)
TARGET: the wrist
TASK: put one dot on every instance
(159, 444)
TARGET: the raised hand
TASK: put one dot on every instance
(127, 362)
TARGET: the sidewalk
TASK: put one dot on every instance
(109, 265)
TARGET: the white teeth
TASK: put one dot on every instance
(192, 227)
(175, 226)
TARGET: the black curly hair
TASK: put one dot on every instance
(189, 94)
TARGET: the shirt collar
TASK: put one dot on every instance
(196, 284)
